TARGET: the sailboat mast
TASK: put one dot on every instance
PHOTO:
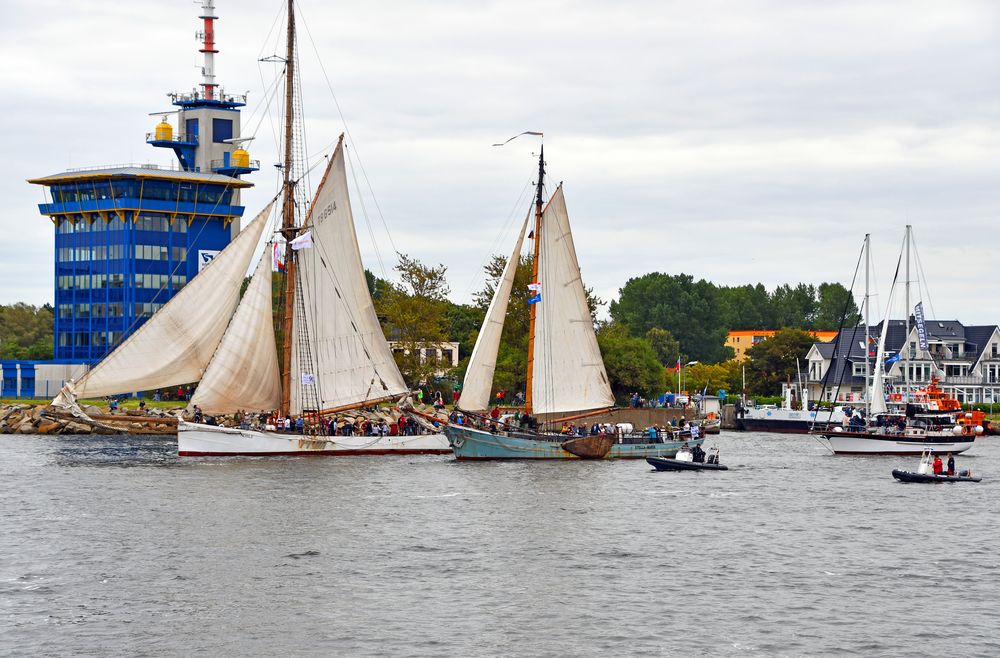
(534, 279)
(868, 339)
(288, 227)
(906, 341)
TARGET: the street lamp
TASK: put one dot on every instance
(684, 374)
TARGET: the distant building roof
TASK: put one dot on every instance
(139, 171)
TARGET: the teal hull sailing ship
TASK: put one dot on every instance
(566, 378)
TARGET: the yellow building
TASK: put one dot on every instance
(743, 339)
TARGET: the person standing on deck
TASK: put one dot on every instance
(951, 464)
(938, 466)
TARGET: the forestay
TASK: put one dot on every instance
(350, 358)
(243, 373)
(176, 344)
(478, 381)
(569, 372)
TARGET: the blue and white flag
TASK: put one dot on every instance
(892, 359)
(918, 315)
(535, 298)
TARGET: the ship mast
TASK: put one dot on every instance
(534, 279)
(288, 227)
(868, 338)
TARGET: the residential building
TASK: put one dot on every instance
(743, 339)
(964, 359)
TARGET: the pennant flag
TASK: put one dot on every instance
(534, 287)
(304, 241)
(535, 299)
(918, 315)
(277, 265)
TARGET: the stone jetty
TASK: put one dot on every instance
(46, 419)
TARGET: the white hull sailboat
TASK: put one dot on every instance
(198, 440)
(334, 357)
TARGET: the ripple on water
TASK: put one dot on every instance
(111, 546)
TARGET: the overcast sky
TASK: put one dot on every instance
(740, 142)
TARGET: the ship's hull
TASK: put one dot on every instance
(778, 426)
(472, 444)
(195, 440)
(856, 443)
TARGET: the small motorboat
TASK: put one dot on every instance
(684, 461)
(907, 476)
(925, 472)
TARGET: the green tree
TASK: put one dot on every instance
(776, 360)
(666, 347)
(690, 310)
(415, 313)
(835, 302)
(794, 307)
(26, 331)
(631, 362)
(747, 307)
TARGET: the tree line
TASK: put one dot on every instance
(657, 321)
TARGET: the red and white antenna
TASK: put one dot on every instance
(207, 36)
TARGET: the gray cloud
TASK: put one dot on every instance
(739, 142)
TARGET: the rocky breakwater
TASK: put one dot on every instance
(47, 419)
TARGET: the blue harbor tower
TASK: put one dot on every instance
(127, 237)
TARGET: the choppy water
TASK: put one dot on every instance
(114, 548)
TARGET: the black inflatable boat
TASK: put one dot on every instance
(664, 464)
(907, 476)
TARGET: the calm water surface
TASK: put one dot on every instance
(119, 548)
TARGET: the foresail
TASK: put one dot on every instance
(243, 373)
(176, 344)
(569, 372)
(478, 382)
(337, 340)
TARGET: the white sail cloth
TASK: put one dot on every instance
(876, 394)
(176, 344)
(569, 372)
(346, 352)
(478, 383)
(243, 373)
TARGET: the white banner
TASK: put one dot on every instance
(304, 241)
(205, 257)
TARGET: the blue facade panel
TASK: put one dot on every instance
(120, 258)
(9, 380)
(27, 380)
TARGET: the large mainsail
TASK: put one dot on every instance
(337, 341)
(569, 370)
(243, 374)
(478, 383)
(176, 344)
(876, 394)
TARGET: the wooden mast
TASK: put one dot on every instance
(288, 227)
(534, 279)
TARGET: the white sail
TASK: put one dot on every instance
(243, 374)
(176, 344)
(569, 372)
(478, 381)
(876, 394)
(346, 353)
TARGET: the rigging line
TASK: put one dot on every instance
(498, 240)
(364, 211)
(347, 130)
(923, 277)
(318, 244)
(836, 346)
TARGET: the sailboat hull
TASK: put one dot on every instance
(856, 443)
(196, 440)
(473, 444)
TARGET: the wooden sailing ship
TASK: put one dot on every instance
(334, 356)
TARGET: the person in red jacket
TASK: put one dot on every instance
(938, 466)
